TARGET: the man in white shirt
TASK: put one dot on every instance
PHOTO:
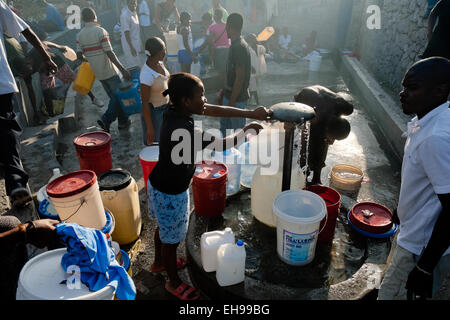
(145, 20)
(285, 44)
(16, 178)
(131, 35)
(421, 255)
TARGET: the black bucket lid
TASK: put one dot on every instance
(115, 179)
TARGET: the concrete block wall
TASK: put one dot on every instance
(388, 52)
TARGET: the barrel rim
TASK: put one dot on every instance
(211, 180)
(96, 147)
(290, 219)
(125, 183)
(73, 192)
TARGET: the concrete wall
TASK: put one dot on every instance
(387, 53)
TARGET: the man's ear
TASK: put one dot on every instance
(442, 90)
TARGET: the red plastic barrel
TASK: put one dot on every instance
(94, 151)
(209, 187)
(333, 201)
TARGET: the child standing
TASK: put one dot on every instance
(186, 53)
(168, 184)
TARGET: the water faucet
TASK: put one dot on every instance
(294, 113)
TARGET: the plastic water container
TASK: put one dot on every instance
(172, 43)
(231, 264)
(120, 195)
(299, 213)
(76, 198)
(210, 243)
(172, 47)
(41, 277)
(264, 190)
(232, 158)
(85, 79)
(248, 168)
(265, 34)
(129, 97)
(148, 157)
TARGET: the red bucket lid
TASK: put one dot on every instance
(210, 170)
(71, 184)
(371, 217)
(92, 140)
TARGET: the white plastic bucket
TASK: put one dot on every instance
(299, 213)
(41, 277)
(76, 197)
(314, 63)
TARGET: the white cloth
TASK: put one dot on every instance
(11, 25)
(158, 83)
(284, 41)
(425, 173)
(144, 14)
(190, 40)
(129, 21)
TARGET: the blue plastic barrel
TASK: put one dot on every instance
(130, 97)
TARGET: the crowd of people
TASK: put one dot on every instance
(169, 101)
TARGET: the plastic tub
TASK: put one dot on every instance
(299, 213)
(209, 188)
(346, 177)
(47, 210)
(41, 277)
(371, 217)
(332, 199)
(76, 198)
(94, 151)
(148, 157)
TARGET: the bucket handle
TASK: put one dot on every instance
(325, 224)
(83, 201)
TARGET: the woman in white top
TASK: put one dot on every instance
(131, 35)
(154, 81)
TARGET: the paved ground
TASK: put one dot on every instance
(282, 82)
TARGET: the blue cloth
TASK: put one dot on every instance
(171, 212)
(232, 123)
(53, 15)
(89, 249)
(114, 110)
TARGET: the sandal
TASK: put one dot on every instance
(183, 292)
(181, 264)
